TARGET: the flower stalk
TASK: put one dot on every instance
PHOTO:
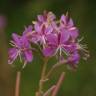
(43, 79)
(49, 91)
(54, 67)
(60, 81)
(17, 86)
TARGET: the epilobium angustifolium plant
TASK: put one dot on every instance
(55, 38)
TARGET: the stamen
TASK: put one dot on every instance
(79, 40)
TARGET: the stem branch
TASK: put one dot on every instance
(49, 91)
(54, 67)
(60, 81)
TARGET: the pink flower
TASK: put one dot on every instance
(67, 26)
(20, 47)
(57, 45)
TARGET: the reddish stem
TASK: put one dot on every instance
(60, 81)
(17, 87)
(54, 67)
(42, 80)
(50, 90)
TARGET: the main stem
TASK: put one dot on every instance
(41, 82)
(17, 86)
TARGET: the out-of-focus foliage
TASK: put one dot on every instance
(19, 13)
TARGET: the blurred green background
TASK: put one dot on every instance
(19, 13)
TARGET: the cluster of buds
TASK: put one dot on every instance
(57, 38)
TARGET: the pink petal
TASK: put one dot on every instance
(40, 18)
(64, 20)
(12, 55)
(48, 52)
(28, 55)
(64, 36)
(37, 27)
(16, 38)
(70, 23)
(52, 39)
(74, 33)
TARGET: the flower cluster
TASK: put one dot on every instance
(55, 37)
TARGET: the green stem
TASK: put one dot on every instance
(41, 82)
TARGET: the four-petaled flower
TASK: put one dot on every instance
(67, 26)
(57, 45)
(20, 47)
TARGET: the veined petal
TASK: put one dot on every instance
(64, 36)
(52, 39)
(66, 22)
(49, 30)
(70, 23)
(48, 52)
(28, 56)
(63, 18)
(27, 29)
(70, 48)
(12, 55)
(35, 37)
(74, 33)
(24, 42)
(16, 38)
(40, 18)
(74, 58)
(37, 27)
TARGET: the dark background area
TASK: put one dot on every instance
(19, 13)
